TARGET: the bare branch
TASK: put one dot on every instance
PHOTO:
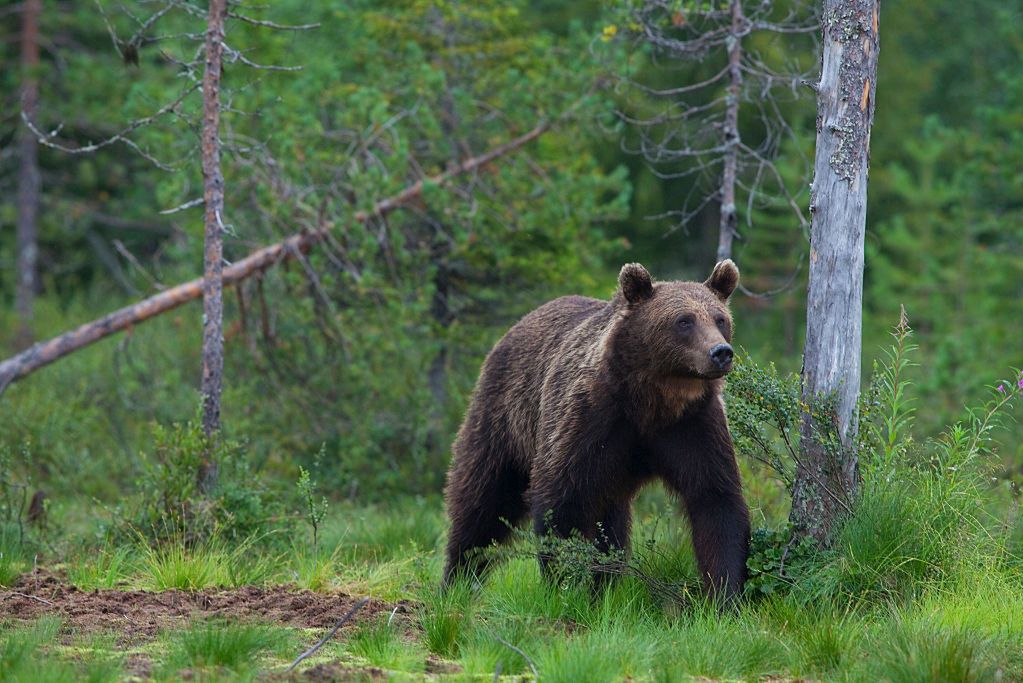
(337, 627)
(782, 28)
(121, 136)
(16, 594)
(784, 287)
(123, 251)
(237, 56)
(532, 666)
(110, 28)
(671, 92)
(198, 201)
(271, 24)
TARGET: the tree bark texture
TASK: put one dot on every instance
(729, 215)
(28, 175)
(213, 257)
(826, 476)
(44, 353)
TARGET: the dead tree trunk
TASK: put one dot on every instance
(44, 353)
(692, 130)
(826, 476)
(729, 215)
(28, 175)
(213, 197)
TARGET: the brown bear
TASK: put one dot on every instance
(584, 401)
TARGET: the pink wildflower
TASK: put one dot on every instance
(1001, 388)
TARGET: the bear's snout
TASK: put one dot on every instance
(722, 357)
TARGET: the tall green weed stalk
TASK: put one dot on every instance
(887, 414)
(920, 519)
(313, 511)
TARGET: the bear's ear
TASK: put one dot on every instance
(724, 279)
(634, 281)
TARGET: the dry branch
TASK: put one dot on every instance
(324, 639)
(44, 353)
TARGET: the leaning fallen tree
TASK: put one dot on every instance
(46, 352)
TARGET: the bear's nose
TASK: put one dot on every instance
(722, 356)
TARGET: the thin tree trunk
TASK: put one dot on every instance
(213, 197)
(729, 216)
(44, 353)
(827, 474)
(28, 175)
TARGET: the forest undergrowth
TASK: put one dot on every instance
(924, 582)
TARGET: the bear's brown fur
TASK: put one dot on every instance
(583, 401)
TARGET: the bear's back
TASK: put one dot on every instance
(536, 339)
(514, 373)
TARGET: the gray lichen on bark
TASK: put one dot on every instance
(854, 26)
(826, 475)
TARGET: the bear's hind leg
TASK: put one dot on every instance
(484, 502)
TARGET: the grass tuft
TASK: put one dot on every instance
(925, 652)
(219, 644)
(445, 616)
(102, 569)
(382, 645)
(212, 563)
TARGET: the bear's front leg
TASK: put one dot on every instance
(696, 460)
(721, 533)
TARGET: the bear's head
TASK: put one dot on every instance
(677, 329)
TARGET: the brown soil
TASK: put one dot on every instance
(436, 665)
(139, 615)
(335, 671)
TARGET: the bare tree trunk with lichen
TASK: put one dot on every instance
(213, 283)
(827, 474)
(28, 175)
(729, 219)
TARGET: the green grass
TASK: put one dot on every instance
(215, 644)
(207, 564)
(26, 654)
(103, 568)
(20, 644)
(960, 620)
(444, 617)
(383, 645)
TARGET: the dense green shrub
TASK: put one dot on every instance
(169, 506)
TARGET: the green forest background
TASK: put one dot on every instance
(361, 359)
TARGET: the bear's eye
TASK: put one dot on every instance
(720, 321)
(685, 323)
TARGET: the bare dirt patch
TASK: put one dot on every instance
(139, 615)
(335, 671)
